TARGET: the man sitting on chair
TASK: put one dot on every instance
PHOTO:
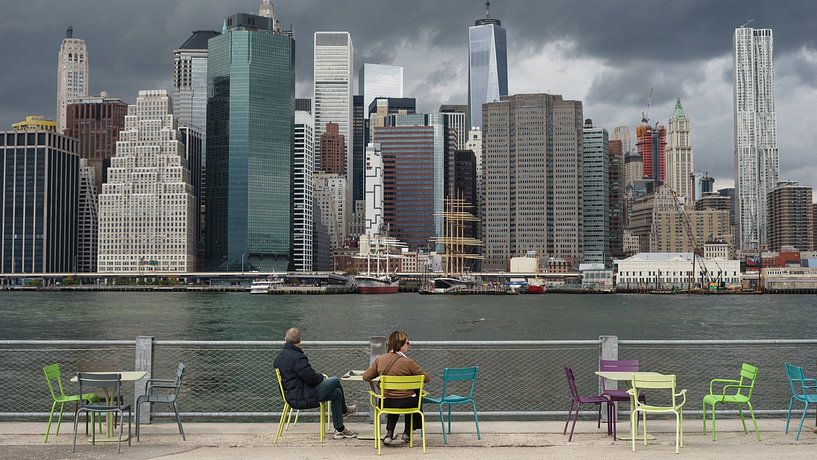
(305, 389)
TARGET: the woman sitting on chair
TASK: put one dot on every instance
(395, 362)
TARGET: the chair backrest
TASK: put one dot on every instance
(795, 375)
(571, 382)
(402, 382)
(748, 374)
(180, 374)
(620, 365)
(649, 381)
(460, 374)
(110, 383)
(52, 373)
(280, 385)
(97, 365)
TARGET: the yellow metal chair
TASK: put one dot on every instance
(398, 382)
(642, 381)
(286, 411)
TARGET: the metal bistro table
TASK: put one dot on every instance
(124, 376)
(357, 376)
(625, 376)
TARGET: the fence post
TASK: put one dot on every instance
(144, 362)
(608, 350)
(377, 346)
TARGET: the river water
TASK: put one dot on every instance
(241, 316)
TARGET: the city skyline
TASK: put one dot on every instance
(610, 69)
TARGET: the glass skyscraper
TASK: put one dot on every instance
(250, 117)
(487, 66)
(379, 80)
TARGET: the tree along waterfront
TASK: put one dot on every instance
(241, 316)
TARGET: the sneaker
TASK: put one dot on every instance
(387, 441)
(344, 434)
(350, 409)
(405, 438)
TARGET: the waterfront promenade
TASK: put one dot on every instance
(510, 440)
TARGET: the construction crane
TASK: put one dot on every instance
(688, 228)
(645, 116)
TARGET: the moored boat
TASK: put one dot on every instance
(263, 286)
(377, 284)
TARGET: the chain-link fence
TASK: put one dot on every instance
(516, 378)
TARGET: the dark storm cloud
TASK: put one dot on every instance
(130, 43)
(628, 86)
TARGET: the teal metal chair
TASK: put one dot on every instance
(456, 374)
(797, 378)
(742, 394)
(58, 396)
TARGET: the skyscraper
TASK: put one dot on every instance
(622, 133)
(39, 174)
(455, 119)
(147, 209)
(679, 154)
(379, 80)
(617, 209)
(332, 86)
(96, 122)
(359, 134)
(596, 205)
(303, 168)
(533, 178)
(251, 87)
(72, 74)
(330, 195)
(333, 150)
(651, 144)
(190, 82)
(374, 189)
(87, 219)
(487, 65)
(790, 216)
(756, 153)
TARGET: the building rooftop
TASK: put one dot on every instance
(198, 41)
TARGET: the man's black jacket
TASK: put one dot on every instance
(299, 379)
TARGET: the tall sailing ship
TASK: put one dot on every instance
(378, 255)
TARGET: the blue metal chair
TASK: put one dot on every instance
(797, 377)
(456, 374)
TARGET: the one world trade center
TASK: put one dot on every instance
(487, 65)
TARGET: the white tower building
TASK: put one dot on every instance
(757, 158)
(303, 191)
(147, 210)
(379, 80)
(332, 88)
(679, 155)
(330, 190)
(72, 74)
(374, 189)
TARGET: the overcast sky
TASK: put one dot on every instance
(606, 53)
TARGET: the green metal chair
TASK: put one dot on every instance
(644, 381)
(52, 374)
(748, 374)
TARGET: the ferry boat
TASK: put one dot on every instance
(369, 284)
(263, 286)
(536, 288)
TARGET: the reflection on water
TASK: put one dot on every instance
(240, 316)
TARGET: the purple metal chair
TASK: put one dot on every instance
(576, 401)
(624, 365)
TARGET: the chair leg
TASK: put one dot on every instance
(74, 444)
(633, 428)
(788, 415)
(280, 429)
(449, 418)
(423, 429)
(119, 443)
(754, 420)
(714, 405)
(703, 411)
(138, 404)
(179, 421)
(442, 424)
(48, 429)
(411, 431)
(323, 420)
(677, 426)
(742, 421)
(93, 432)
(644, 414)
(476, 420)
(569, 413)
(598, 422)
(59, 420)
(377, 440)
(802, 419)
(575, 417)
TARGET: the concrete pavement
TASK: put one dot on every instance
(509, 440)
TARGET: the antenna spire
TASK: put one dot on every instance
(487, 9)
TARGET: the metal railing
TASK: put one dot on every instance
(229, 379)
